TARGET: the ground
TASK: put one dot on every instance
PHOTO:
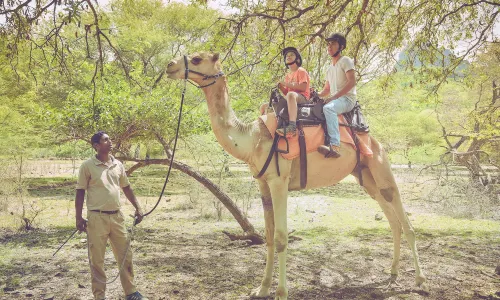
(339, 249)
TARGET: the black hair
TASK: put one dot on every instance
(96, 138)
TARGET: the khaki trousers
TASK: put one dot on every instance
(100, 227)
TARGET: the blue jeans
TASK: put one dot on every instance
(331, 110)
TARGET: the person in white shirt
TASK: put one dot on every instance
(339, 92)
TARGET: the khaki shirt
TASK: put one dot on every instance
(102, 183)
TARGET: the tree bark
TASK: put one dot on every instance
(245, 224)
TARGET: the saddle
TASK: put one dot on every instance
(310, 115)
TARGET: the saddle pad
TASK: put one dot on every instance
(315, 137)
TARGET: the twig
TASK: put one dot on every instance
(253, 238)
(489, 275)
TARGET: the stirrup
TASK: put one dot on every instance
(287, 131)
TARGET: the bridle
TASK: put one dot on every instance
(186, 73)
(205, 77)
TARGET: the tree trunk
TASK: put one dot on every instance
(247, 227)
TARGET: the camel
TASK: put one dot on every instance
(252, 142)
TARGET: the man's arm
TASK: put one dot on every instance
(81, 224)
(351, 82)
(325, 91)
(129, 193)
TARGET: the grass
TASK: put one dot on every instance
(336, 233)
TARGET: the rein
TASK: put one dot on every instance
(186, 73)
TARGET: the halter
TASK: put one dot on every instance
(186, 73)
(205, 77)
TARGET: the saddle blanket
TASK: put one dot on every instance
(315, 137)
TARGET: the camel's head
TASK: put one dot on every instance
(201, 63)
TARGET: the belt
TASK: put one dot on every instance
(109, 212)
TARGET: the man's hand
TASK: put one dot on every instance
(81, 224)
(329, 99)
(139, 215)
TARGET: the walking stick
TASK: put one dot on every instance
(64, 242)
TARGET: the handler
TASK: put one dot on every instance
(102, 176)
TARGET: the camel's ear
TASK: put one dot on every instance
(215, 57)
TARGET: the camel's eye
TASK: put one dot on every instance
(196, 60)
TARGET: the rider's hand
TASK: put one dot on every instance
(81, 224)
(139, 215)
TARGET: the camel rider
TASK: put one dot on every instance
(339, 92)
(295, 87)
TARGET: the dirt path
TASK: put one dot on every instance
(337, 251)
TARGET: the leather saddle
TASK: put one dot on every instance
(310, 114)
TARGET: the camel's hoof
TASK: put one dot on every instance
(260, 292)
(281, 293)
(425, 287)
(422, 283)
(420, 279)
(393, 284)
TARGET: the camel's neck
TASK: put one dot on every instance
(234, 136)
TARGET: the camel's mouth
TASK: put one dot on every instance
(171, 73)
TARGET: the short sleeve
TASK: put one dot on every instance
(123, 177)
(347, 64)
(83, 177)
(302, 76)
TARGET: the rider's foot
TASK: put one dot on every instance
(329, 151)
(289, 130)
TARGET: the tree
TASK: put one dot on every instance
(473, 135)
(376, 30)
(144, 108)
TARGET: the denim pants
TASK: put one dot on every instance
(331, 110)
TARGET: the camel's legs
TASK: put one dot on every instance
(381, 171)
(263, 289)
(279, 192)
(371, 188)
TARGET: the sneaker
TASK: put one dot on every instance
(329, 151)
(289, 130)
(136, 296)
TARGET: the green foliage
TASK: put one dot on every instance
(52, 102)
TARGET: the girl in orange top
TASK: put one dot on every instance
(295, 87)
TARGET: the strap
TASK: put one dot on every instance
(303, 157)
(205, 77)
(277, 161)
(270, 157)
(287, 145)
(358, 155)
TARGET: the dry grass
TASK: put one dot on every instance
(337, 251)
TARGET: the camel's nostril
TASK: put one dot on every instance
(171, 64)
